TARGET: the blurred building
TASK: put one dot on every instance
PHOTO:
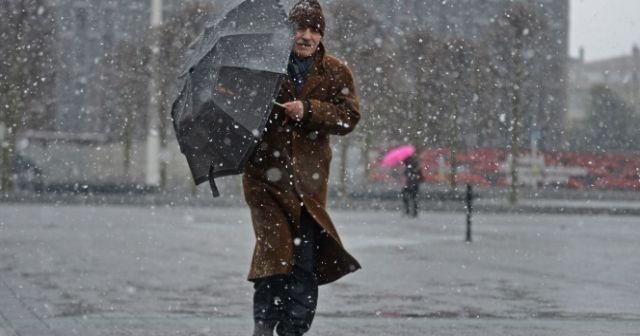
(620, 74)
(84, 142)
(87, 33)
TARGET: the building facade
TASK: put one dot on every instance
(87, 34)
(620, 74)
(89, 30)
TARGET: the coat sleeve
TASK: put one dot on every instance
(341, 113)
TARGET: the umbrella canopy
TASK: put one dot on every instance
(397, 155)
(233, 72)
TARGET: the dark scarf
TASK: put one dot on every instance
(299, 69)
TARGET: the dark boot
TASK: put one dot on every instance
(287, 334)
(281, 332)
(267, 304)
(264, 328)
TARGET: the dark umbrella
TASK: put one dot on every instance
(234, 70)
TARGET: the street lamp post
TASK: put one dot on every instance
(152, 172)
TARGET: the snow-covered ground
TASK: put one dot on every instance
(110, 270)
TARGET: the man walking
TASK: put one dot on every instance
(285, 183)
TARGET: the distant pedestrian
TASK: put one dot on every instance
(411, 186)
(285, 183)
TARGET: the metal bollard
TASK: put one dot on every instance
(469, 201)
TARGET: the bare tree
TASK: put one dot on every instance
(355, 35)
(25, 74)
(517, 33)
(461, 79)
(450, 93)
(126, 95)
(129, 72)
(422, 116)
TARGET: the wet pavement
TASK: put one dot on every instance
(118, 270)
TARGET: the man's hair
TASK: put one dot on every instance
(308, 14)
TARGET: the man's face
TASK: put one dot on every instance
(306, 42)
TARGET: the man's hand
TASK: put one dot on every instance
(294, 110)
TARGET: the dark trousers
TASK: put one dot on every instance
(290, 300)
(409, 199)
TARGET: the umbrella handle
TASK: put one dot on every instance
(212, 184)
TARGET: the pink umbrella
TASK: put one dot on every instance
(397, 155)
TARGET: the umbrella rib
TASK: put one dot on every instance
(215, 173)
(243, 33)
(232, 118)
(200, 39)
(200, 47)
(252, 69)
(185, 73)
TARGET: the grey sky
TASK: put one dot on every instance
(605, 28)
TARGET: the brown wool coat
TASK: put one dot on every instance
(290, 169)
